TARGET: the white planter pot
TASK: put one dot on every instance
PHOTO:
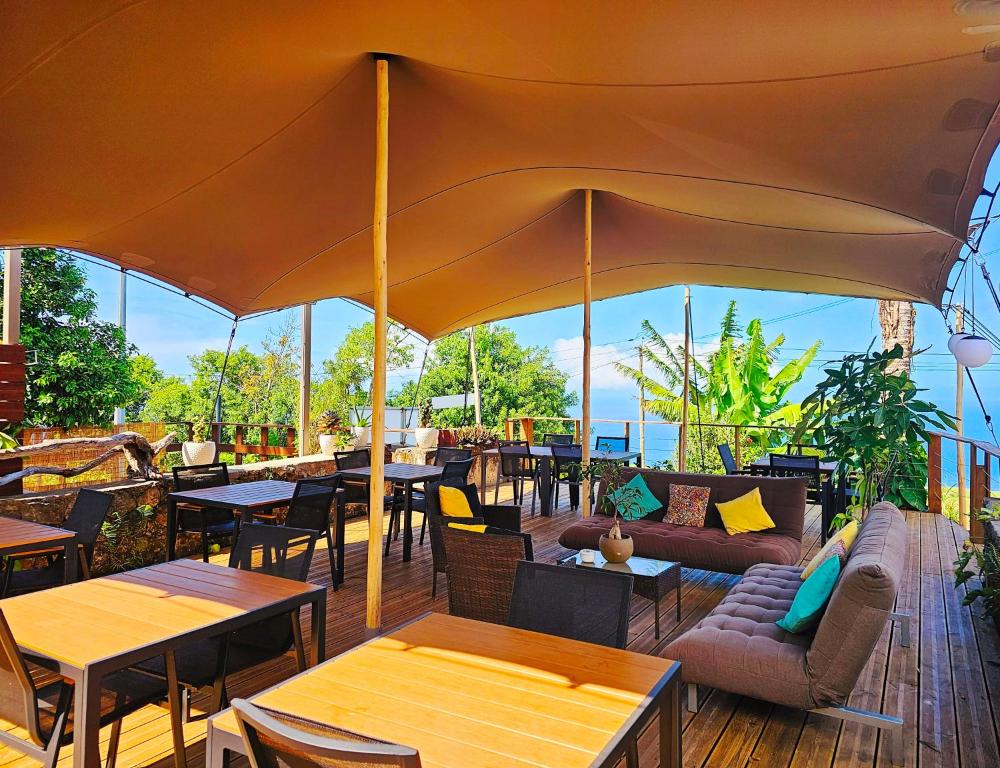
(197, 453)
(327, 445)
(362, 436)
(426, 437)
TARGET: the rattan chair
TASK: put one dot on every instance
(455, 469)
(557, 438)
(209, 522)
(504, 517)
(312, 501)
(586, 604)
(516, 465)
(566, 460)
(90, 508)
(277, 739)
(481, 569)
(43, 711)
(277, 551)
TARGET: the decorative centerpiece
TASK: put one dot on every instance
(199, 449)
(425, 435)
(618, 499)
(333, 435)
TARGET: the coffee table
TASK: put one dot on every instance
(651, 579)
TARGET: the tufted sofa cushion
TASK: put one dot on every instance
(738, 647)
(710, 548)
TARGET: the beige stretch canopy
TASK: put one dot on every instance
(227, 147)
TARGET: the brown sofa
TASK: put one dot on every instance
(710, 547)
(739, 648)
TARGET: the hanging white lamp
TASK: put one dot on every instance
(954, 339)
(973, 351)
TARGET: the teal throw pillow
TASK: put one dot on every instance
(634, 504)
(811, 599)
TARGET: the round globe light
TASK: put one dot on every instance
(973, 351)
(954, 339)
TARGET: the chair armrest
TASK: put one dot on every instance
(506, 516)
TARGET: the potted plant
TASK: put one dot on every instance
(984, 576)
(425, 435)
(333, 435)
(361, 428)
(476, 438)
(617, 499)
(199, 449)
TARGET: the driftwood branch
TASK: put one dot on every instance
(139, 453)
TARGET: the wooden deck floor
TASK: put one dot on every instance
(946, 684)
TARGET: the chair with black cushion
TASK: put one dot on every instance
(278, 739)
(443, 455)
(356, 491)
(505, 517)
(90, 508)
(516, 465)
(277, 551)
(557, 438)
(566, 460)
(729, 462)
(577, 603)
(43, 709)
(481, 569)
(457, 469)
(211, 523)
(312, 501)
(611, 443)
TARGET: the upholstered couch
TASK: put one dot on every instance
(739, 648)
(708, 547)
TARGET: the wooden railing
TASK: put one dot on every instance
(240, 446)
(978, 457)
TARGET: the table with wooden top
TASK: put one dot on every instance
(92, 628)
(543, 454)
(467, 694)
(244, 499)
(406, 475)
(21, 536)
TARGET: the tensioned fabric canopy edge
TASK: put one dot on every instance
(227, 148)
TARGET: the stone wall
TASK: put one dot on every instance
(52, 507)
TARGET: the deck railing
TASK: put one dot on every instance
(265, 448)
(975, 460)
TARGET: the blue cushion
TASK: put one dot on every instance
(638, 505)
(810, 601)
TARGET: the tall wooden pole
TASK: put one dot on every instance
(122, 316)
(963, 507)
(305, 380)
(475, 375)
(588, 204)
(12, 296)
(686, 386)
(380, 304)
(642, 412)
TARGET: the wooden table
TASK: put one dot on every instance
(543, 454)
(19, 536)
(244, 499)
(92, 628)
(406, 475)
(470, 695)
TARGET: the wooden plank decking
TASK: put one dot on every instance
(946, 684)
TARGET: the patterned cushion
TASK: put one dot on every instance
(688, 505)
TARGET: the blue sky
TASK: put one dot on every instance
(170, 328)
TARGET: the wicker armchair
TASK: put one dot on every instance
(501, 516)
(481, 568)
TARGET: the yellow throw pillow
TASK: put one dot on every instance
(745, 514)
(453, 502)
(464, 527)
(846, 535)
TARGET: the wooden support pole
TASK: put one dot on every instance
(380, 303)
(305, 380)
(12, 296)
(475, 375)
(588, 206)
(978, 491)
(122, 316)
(963, 507)
(738, 446)
(686, 385)
(934, 474)
(642, 411)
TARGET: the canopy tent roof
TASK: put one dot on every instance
(227, 148)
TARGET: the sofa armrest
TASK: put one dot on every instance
(506, 516)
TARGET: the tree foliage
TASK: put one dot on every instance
(513, 379)
(79, 369)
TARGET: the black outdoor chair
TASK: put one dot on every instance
(277, 551)
(577, 603)
(312, 502)
(842, 493)
(785, 465)
(481, 569)
(611, 443)
(211, 523)
(504, 517)
(516, 465)
(557, 438)
(566, 461)
(443, 455)
(356, 491)
(278, 739)
(728, 462)
(457, 469)
(43, 709)
(85, 518)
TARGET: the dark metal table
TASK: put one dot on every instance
(651, 579)
(825, 467)
(406, 475)
(20, 536)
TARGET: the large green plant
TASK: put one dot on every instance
(874, 425)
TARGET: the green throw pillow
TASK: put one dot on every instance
(811, 599)
(637, 504)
